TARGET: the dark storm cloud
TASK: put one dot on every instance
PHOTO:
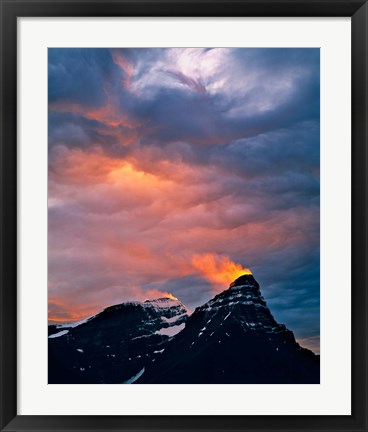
(78, 75)
(199, 118)
(193, 116)
(292, 289)
(305, 61)
(72, 130)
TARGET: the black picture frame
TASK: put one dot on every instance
(10, 10)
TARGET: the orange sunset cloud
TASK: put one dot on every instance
(219, 270)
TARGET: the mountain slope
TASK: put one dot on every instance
(114, 345)
(234, 339)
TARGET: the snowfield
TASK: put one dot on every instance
(171, 331)
(173, 319)
(134, 378)
(62, 333)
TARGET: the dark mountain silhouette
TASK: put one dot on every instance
(114, 345)
(233, 338)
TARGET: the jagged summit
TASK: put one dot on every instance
(244, 302)
(244, 280)
(165, 306)
(163, 300)
(233, 338)
(114, 344)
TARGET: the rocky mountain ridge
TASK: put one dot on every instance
(233, 338)
(112, 345)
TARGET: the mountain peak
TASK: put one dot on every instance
(245, 279)
(162, 300)
(233, 338)
(165, 302)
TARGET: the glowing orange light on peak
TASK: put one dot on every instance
(154, 294)
(217, 269)
(171, 296)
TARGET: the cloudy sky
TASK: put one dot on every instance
(172, 170)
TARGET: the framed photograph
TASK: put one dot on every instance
(183, 210)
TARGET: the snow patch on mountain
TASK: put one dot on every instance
(163, 303)
(174, 318)
(135, 377)
(171, 331)
(62, 333)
